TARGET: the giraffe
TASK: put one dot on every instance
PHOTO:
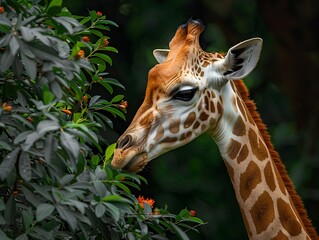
(191, 92)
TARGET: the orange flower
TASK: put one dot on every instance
(67, 111)
(192, 212)
(123, 104)
(141, 200)
(85, 99)
(2, 9)
(79, 54)
(86, 39)
(99, 13)
(6, 107)
(50, 27)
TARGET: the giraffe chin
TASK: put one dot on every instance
(137, 163)
(130, 160)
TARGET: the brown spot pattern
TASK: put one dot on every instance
(242, 154)
(169, 139)
(174, 126)
(199, 107)
(233, 149)
(263, 213)
(249, 180)
(257, 145)
(196, 125)
(203, 116)
(159, 133)
(239, 127)
(280, 236)
(269, 176)
(185, 135)
(288, 218)
(190, 119)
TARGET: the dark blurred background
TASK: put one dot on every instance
(284, 85)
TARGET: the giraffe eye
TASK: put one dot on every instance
(185, 95)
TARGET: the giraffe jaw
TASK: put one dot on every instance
(130, 160)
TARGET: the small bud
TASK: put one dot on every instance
(6, 107)
(85, 99)
(99, 14)
(86, 39)
(2, 10)
(67, 111)
(106, 42)
(123, 104)
(79, 54)
(192, 212)
(30, 119)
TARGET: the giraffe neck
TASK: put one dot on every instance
(268, 209)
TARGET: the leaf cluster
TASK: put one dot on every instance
(55, 178)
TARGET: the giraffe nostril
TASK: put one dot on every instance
(125, 142)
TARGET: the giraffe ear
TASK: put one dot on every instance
(160, 54)
(242, 58)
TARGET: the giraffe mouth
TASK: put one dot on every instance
(129, 160)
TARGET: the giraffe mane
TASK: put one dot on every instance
(251, 106)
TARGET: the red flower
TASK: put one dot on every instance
(86, 39)
(192, 212)
(99, 13)
(2, 9)
(141, 200)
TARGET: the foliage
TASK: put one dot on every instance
(53, 181)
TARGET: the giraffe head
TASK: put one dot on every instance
(183, 96)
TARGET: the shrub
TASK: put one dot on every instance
(55, 178)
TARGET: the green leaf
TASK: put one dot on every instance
(114, 82)
(68, 216)
(106, 85)
(43, 211)
(10, 211)
(4, 145)
(30, 66)
(70, 144)
(25, 166)
(109, 151)
(113, 198)
(54, 7)
(97, 33)
(14, 46)
(27, 219)
(179, 232)
(2, 205)
(117, 98)
(113, 210)
(100, 210)
(105, 57)
(8, 163)
(116, 112)
(123, 187)
(23, 236)
(47, 126)
(95, 159)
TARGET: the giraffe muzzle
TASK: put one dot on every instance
(131, 159)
